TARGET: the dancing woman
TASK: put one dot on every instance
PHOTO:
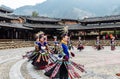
(98, 46)
(30, 54)
(112, 43)
(55, 46)
(63, 67)
(70, 44)
(41, 56)
(80, 45)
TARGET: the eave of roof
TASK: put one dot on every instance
(80, 27)
(6, 10)
(8, 16)
(43, 19)
(43, 26)
(13, 25)
(101, 19)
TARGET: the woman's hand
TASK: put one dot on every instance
(72, 54)
(66, 57)
(38, 60)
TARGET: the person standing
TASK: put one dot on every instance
(112, 43)
(56, 45)
(98, 45)
(80, 45)
(70, 44)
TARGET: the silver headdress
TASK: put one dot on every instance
(65, 30)
(39, 33)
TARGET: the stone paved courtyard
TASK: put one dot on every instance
(103, 64)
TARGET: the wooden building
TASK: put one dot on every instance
(96, 25)
(11, 26)
(25, 27)
(50, 26)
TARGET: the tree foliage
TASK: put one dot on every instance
(35, 14)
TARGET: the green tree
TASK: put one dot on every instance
(35, 14)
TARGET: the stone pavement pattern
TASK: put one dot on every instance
(103, 64)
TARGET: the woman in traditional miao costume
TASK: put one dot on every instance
(63, 68)
(98, 45)
(30, 54)
(112, 43)
(70, 44)
(41, 55)
(80, 45)
(55, 45)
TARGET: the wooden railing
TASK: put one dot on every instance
(7, 44)
(92, 42)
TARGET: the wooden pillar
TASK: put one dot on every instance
(23, 35)
(4, 33)
(99, 32)
(20, 34)
(26, 33)
(84, 34)
(8, 34)
(29, 32)
(114, 32)
(16, 35)
(29, 36)
(12, 34)
(1, 33)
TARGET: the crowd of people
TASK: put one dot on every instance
(55, 58)
(99, 45)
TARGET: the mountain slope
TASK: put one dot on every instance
(70, 8)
